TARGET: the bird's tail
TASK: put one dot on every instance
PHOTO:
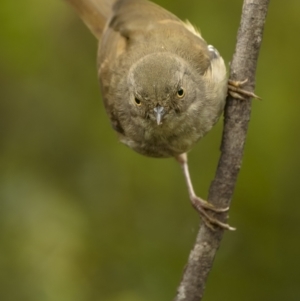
(94, 13)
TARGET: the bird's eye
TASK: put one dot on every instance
(180, 93)
(137, 101)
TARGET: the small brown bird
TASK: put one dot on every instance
(163, 87)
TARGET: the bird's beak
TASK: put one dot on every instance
(159, 112)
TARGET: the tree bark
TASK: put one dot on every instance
(236, 119)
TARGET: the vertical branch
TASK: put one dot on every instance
(236, 118)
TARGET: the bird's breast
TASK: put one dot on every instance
(161, 141)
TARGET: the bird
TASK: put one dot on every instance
(162, 85)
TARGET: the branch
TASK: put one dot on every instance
(236, 119)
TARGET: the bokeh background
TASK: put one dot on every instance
(84, 218)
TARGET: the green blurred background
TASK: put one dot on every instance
(84, 218)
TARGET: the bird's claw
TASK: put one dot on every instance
(202, 206)
(235, 90)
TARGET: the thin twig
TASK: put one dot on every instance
(236, 118)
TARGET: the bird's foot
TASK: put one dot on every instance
(203, 206)
(235, 90)
(200, 205)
